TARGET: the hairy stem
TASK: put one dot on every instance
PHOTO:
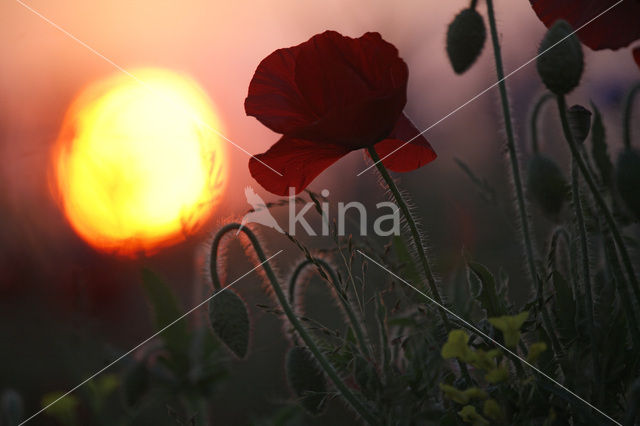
(626, 117)
(417, 239)
(332, 279)
(328, 368)
(602, 205)
(517, 178)
(586, 273)
(534, 120)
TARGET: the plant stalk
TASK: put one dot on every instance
(586, 274)
(419, 246)
(344, 302)
(328, 368)
(602, 205)
(517, 178)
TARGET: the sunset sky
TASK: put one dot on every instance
(219, 44)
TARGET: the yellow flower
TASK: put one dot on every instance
(492, 410)
(462, 397)
(470, 415)
(535, 350)
(510, 327)
(454, 394)
(497, 375)
(485, 360)
(456, 347)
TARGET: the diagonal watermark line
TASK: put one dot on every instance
(491, 87)
(145, 341)
(123, 70)
(487, 337)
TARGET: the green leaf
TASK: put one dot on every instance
(488, 295)
(599, 148)
(229, 319)
(166, 311)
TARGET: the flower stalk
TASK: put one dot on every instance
(417, 239)
(601, 203)
(328, 368)
(586, 272)
(332, 279)
(517, 178)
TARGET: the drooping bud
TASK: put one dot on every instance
(579, 122)
(229, 319)
(546, 184)
(306, 379)
(465, 39)
(560, 61)
(628, 179)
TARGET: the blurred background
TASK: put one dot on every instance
(66, 309)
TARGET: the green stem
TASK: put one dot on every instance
(602, 205)
(623, 292)
(332, 279)
(415, 234)
(473, 4)
(586, 273)
(534, 120)
(517, 179)
(626, 117)
(418, 243)
(328, 368)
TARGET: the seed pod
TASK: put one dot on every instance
(580, 122)
(465, 39)
(560, 61)
(546, 184)
(229, 319)
(306, 379)
(628, 179)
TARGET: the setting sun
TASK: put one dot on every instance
(138, 163)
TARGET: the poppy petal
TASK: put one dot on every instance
(636, 55)
(403, 156)
(356, 86)
(273, 95)
(298, 161)
(612, 30)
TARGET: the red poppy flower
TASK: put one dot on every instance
(636, 55)
(327, 97)
(615, 29)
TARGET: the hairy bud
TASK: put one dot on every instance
(546, 184)
(561, 62)
(465, 39)
(579, 122)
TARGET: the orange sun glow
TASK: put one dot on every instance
(137, 164)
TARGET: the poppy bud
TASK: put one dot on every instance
(229, 319)
(628, 179)
(560, 61)
(305, 379)
(580, 122)
(546, 184)
(465, 38)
